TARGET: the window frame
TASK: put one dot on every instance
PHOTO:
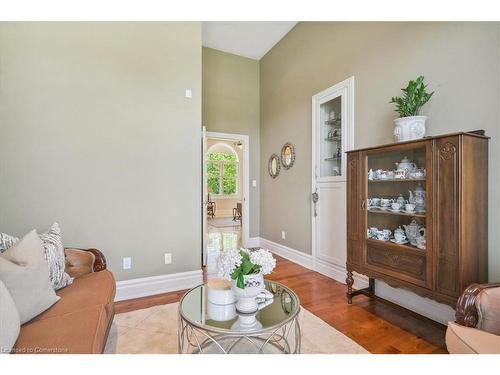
(222, 164)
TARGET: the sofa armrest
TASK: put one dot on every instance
(82, 261)
(466, 312)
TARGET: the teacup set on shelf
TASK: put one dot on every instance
(414, 204)
(413, 233)
(405, 170)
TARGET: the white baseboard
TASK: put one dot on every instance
(302, 259)
(253, 242)
(411, 301)
(149, 286)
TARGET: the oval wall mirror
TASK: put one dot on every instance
(274, 166)
(288, 155)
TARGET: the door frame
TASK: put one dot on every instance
(245, 215)
(346, 87)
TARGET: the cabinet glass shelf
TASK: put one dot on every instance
(398, 180)
(401, 213)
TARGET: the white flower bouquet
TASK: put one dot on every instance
(234, 264)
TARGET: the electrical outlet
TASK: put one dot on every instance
(168, 258)
(283, 234)
(254, 183)
(188, 94)
(127, 263)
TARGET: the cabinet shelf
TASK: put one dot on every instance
(333, 159)
(333, 122)
(399, 213)
(398, 180)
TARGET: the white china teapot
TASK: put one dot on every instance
(406, 164)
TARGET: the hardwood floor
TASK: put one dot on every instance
(378, 326)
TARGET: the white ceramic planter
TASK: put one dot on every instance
(409, 128)
(245, 298)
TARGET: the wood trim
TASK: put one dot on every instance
(472, 133)
(466, 310)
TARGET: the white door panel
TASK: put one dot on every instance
(331, 223)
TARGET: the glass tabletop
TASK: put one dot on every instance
(273, 313)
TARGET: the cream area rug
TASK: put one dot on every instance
(154, 331)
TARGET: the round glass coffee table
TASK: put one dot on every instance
(205, 327)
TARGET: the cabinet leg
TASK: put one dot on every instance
(371, 286)
(349, 281)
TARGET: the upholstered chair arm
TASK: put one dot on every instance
(468, 312)
(80, 262)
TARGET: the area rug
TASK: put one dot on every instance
(221, 222)
(154, 331)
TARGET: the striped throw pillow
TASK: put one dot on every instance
(54, 254)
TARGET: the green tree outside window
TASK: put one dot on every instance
(222, 173)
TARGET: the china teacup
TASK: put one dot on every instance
(375, 202)
(396, 206)
(385, 202)
(384, 234)
(410, 207)
(400, 238)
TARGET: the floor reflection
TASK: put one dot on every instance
(220, 239)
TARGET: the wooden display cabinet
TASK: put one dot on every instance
(455, 216)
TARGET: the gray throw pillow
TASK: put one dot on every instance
(24, 272)
(54, 254)
(9, 321)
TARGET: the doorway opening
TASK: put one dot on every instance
(225, 194)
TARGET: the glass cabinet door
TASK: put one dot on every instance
(331, 145)
(397, 202)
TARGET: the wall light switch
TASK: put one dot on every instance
(168, 258)
(188, 94)
(127, 263)
(254, 183)
(283, 234)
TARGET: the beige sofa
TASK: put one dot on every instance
(80, 321)
(477, 326)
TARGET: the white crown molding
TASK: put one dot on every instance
(149, 286)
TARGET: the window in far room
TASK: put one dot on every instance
(222, 173)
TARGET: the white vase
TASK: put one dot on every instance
(409, 128)
(245, 298)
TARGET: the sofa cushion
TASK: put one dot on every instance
(465, 340)
(488, 308)
(9, 320)
(54, 254)
(24, 272)
(82, 331)
(94, 289)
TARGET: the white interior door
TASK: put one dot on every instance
(332, 130)
(204, 198)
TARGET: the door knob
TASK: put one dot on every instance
(315, 199)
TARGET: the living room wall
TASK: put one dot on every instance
(231, 105)
(96, 133)
(460, 61)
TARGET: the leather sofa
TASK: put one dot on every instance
(476, 329)
(80, 321)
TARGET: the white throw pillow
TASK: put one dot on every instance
(24, 272)
(9, 321)
(54, 254)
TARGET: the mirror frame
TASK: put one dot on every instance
(292, 161)
(278, 167)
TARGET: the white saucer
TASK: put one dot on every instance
(399, 243)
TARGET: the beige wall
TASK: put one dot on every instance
(95, 132)
(460, 61)
(231, 105)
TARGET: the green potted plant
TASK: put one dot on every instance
(411, 125)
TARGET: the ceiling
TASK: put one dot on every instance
(249, 39)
